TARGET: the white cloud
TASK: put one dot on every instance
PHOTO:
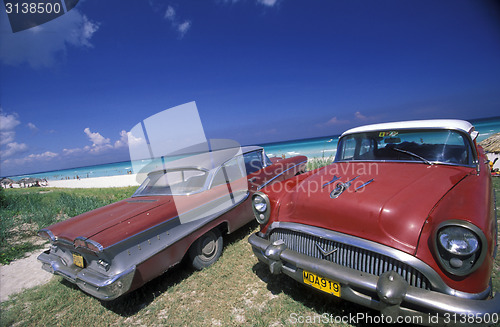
(7, 137)
(12, 149)
(8, 123)
(364, 118)
(170, 13)
(69, 152)
(123, 141)
(43, 156)
(96, 138)
(88, 29)
(100, 145)
(32, 127)
(336, 121)
(268, 3)
(359, 116)
(181, 28)
(42, 45)
(99, 142)
(32, 157)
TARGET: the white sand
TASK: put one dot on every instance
(21, 274)
(97, 182)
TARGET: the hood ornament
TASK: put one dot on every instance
(324, 252)
(340, 188)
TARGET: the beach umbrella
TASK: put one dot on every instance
(26, 181)
(6, 181)
(491, 144)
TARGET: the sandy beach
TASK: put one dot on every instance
(96, 182)
(22, 274)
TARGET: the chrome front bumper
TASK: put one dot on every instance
(92, 282)
(388, 293)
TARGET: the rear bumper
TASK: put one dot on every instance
(92, 282)
(388, 293)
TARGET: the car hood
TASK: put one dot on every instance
(391, 209)
(131, 215)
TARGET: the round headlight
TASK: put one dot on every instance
(259, 203)
(458, 240)
(261, 207)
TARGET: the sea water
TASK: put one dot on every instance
(320, 147)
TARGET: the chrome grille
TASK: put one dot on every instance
(349, 256)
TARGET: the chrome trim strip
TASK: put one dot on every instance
(64, 241)
(433, 277)
(49, 233)
(284, 171)
(94, 243)
(141, 201)
(363, 185)
(334, 179)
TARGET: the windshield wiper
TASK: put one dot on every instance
(413, 155)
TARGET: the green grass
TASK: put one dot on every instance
(236, 291)
(25, 211)
(314, 163)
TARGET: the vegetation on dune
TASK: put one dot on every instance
(315, 163)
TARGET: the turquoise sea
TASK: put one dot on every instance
(313, 148)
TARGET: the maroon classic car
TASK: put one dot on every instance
(402, 222)
(180, 210)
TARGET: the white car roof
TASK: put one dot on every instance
(455, 124)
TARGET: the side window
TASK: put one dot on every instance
(267, 160)
(349, 145)
(366, 147)
(253, 161)
(228, 172)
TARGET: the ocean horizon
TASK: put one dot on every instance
(317, 147)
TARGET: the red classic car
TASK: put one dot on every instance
(180, 210)
(403, 222)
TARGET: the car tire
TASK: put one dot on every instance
(206, 249)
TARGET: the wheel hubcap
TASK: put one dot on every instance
(208, 247)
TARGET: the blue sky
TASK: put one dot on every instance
(259, 70)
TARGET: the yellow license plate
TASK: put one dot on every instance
(78, 260)
(321, 283)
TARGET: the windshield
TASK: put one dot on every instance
(427, 146)
(173, 182)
